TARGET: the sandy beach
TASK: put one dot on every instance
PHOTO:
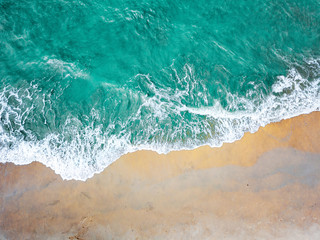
(264, 186)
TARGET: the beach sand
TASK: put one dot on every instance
(264, 186)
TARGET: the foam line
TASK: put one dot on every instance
(79, 151)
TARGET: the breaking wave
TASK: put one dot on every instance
(78, 146)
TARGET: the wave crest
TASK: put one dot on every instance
(82, 148)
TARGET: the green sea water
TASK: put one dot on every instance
(84, 82)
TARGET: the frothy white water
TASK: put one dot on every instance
(79, 152)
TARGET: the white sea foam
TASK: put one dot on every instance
(65, 68)
(78, 151)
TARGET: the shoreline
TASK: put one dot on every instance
(261, 186)
(278, 134)
(193, 154)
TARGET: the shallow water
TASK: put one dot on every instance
(84, 82)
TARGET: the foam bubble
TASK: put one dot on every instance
(78, 151)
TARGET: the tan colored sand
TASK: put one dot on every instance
(222, 193)
(301, 133)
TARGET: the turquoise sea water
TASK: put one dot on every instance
(84, 82)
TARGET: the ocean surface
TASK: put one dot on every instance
(84, 82)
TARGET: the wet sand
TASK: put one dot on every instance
(264, 186)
